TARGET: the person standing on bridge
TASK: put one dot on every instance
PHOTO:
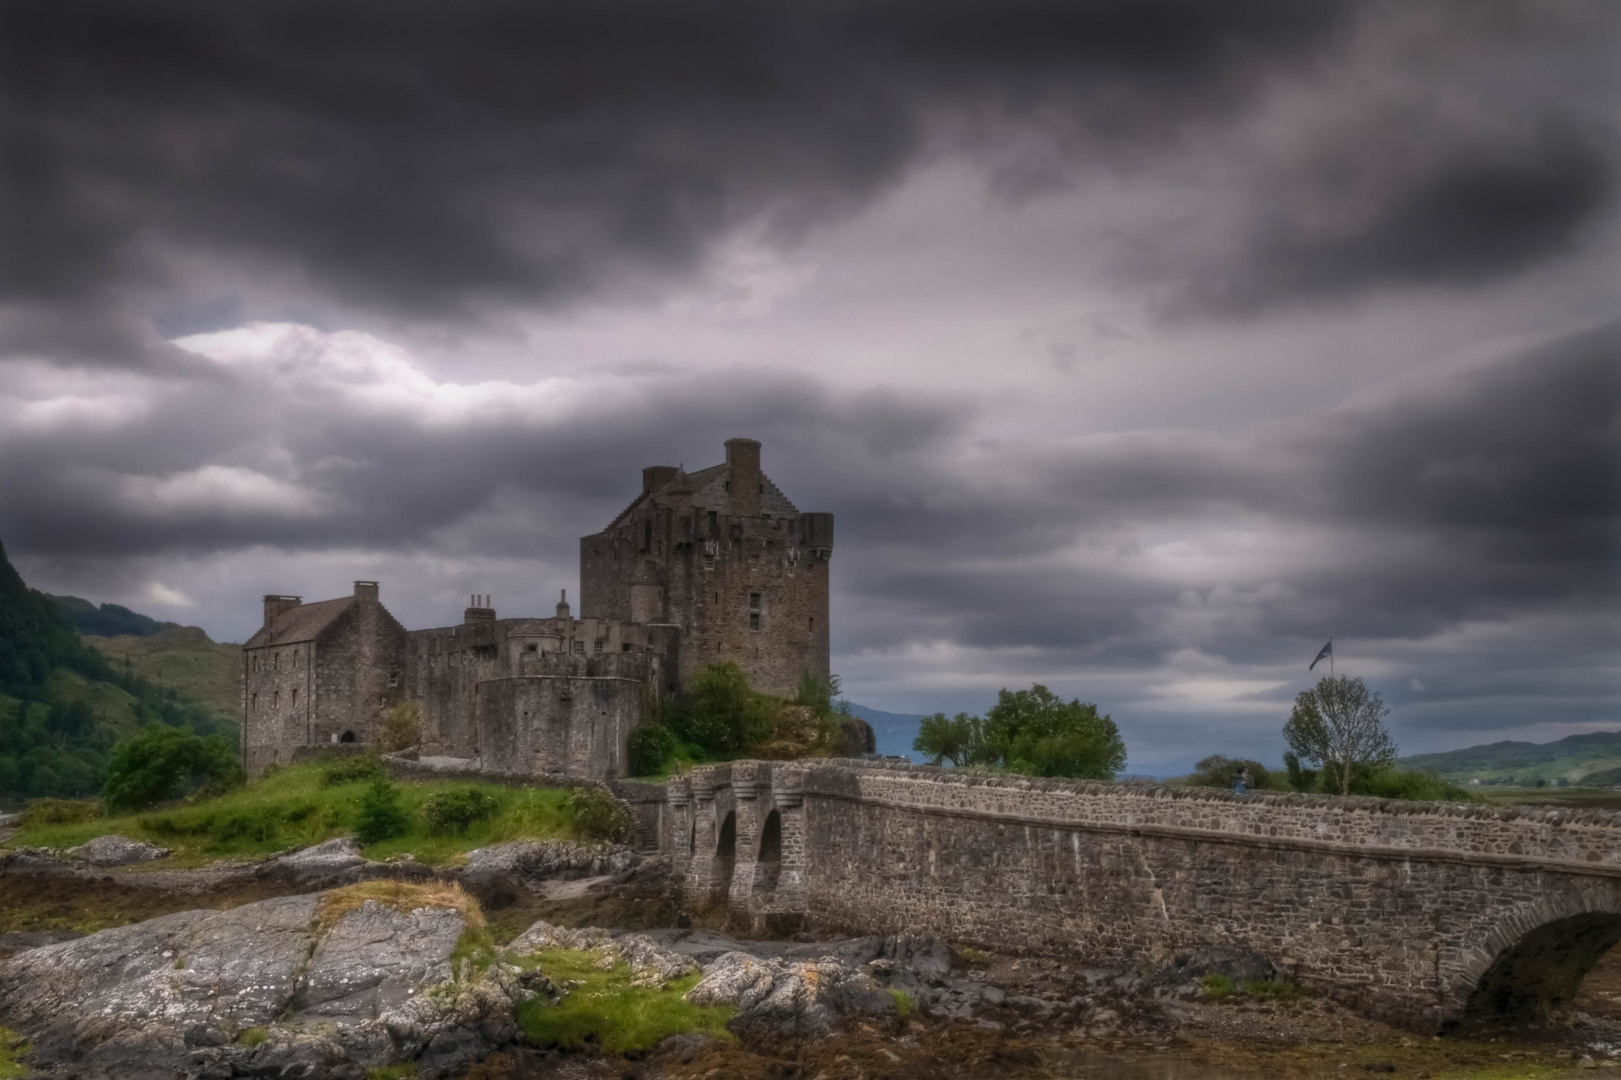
(1241, 780)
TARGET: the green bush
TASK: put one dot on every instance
(59, 812)
(598, 815)
(380, 815)
(165, 762)
(1406, 784)
(457, 809)
(817, 692)
(1217, 986)
(723, 715)
(1218, 770)
(353, 770)
(651, 745)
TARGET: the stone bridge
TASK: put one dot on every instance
(1430, 915)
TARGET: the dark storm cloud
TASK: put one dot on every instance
(198, 163)
(1478, 496)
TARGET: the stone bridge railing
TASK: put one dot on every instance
(1427, 913)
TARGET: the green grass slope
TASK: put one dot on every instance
(183, 659)
(1524, 763)
(297, 807)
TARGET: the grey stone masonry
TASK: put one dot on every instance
(1427, 914)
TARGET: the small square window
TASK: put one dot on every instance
(596, 647)
(754, 601)
(579, 647)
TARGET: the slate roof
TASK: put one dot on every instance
(709, 493)
(302, 623)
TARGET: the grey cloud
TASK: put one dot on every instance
(424, 161)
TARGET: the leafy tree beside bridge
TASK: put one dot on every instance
(1032, 731)
(1339, 725)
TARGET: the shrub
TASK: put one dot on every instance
(598, 815)
(724, 716)
(1217, 986)
(400, 728)
(651, 745)
(817, 692)
(353, 770)
(164, 762)
(59, 812)
(1218, 770)
(455, 810)
(1270, 990)
(903, 1003)
(1406, 784)
(253, 1036)
(380, 815)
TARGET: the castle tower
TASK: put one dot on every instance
(722, 557)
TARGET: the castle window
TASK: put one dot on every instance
(379, 701)
(295, 658)
(714, 523)
(275, 661)
(812, 624)
(348, 736)
(579, 647)
(754, 620)
(647, 535)
(531, 647)
(295, 697)
(754, 601)
(625, 647)
(253, 703)
(596, 647)
(754, 611)
(393, 678)
(275, 699)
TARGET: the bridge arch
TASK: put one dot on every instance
(1527, 971)
(768, 869)
(725, 855)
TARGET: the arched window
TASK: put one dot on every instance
(347, 736)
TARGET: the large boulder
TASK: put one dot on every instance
(295, 986)
(778, 998)
(117, 851)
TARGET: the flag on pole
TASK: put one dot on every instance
(1327, 650)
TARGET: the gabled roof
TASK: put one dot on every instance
(708, 487)
(302, 623)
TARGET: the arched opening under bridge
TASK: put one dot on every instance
(726, 855)
(769, 868)
(1538, 979)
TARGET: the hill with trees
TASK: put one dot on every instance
(1566, 761)
(63, 707)
(109, 620)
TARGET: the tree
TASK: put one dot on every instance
(164, 762)
(400, 727)
(939, 738)
(1030, 731)
(380, 816)
(1339, 725)
(723, 714)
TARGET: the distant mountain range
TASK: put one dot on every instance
(894, 731)
(1571, 759)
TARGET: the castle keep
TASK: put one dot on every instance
(715, 565)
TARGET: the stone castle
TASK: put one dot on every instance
(702, 567)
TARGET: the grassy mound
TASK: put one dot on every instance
(601, 1007)
(402, 896)
(298, 807)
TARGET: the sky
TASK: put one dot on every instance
(1139, 347)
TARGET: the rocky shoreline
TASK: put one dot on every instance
(362, 965)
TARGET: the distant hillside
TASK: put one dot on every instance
(1524, 763)
(62, 706)
(894, 731)
(183, 659)
(109, 620)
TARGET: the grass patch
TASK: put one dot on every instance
(59, 812)
(903, 1003)
(253, 1036)
(974, 957)
(12, 1047)
(603, 1008)
(403, 896)
(1217, 986)
(392, 1072)
(298, 806)
(1271, 990)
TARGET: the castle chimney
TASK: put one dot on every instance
(744, 480)
(478, 610)
(655, 477)
(275, 605)
(562, 606)
(366, 590)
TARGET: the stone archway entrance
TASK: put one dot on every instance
(769, 867)
(1534, 982)
(347, 736)
(725, 856)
